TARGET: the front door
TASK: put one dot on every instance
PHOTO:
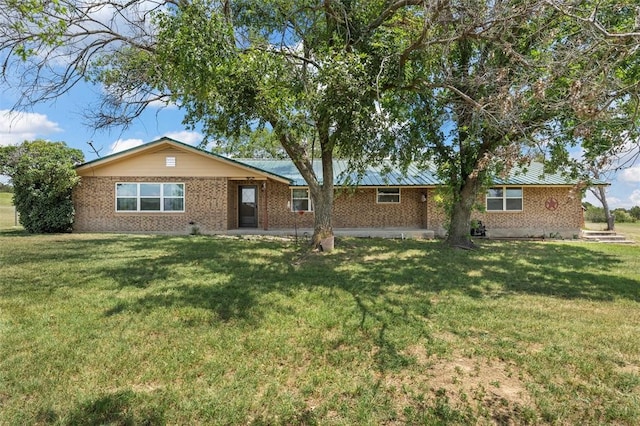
(248, 208)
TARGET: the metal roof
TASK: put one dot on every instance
(380, 175)
(386, 175)
(533, 174)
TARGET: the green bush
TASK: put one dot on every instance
(43, 176)
(621, 216)
(595, 214)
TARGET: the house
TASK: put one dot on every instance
(166, 186)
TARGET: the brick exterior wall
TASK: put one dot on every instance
(353, 208)
(535, 220)
(205, 204)
(212, 203)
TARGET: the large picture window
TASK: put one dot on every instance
(301, 200)
(388, 195)
(150, 197)
(501, 199)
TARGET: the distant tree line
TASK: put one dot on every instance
(5, 187)
(621, 215)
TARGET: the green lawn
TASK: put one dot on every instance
(112, 329)
(7, 211)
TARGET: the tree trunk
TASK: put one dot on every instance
(610, 218)
(322, 224)
(321, 192)
(459, 228)
(322, 196)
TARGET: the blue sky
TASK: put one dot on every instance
(62, 121)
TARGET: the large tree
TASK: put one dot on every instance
(294, 67)
(487, 85)
(290, 65)
(43, 176)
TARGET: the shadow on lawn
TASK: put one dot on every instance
(117, 408)
(229, 276)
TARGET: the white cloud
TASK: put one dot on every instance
(635, 198)
(614, 201)
(631, 175)
(164, 103)
(16, 127)
(124, 144)
(185, 136)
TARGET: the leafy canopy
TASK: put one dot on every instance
(43, 176)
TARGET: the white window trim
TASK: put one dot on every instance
(504, 199)
(162, 197)
(309, 203)
(387, 188)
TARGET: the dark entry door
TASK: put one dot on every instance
(248, 209)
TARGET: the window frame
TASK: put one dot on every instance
(307, 198)
(388, 188)
(505, 198)
(162, 198)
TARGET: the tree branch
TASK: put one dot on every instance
(593, 21)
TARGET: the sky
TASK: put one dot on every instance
(62, 120)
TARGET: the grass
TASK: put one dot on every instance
(113, 329)
(7, 211)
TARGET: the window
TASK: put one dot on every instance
(504, 199)
(150, 197)
(300, 200)
(388, 195)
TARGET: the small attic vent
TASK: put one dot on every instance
(171, 161)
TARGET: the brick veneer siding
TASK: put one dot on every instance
(359, 208)
(205, 204)
(535, 220)
(212, 203)
(353, 208)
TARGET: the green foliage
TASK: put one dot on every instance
(478, 90)
(622, 216)
(595, 214)
(43, 176)
(257, 143)
(307, 73)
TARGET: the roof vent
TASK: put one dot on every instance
(171, 161)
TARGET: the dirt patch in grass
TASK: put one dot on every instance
(475, 388)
